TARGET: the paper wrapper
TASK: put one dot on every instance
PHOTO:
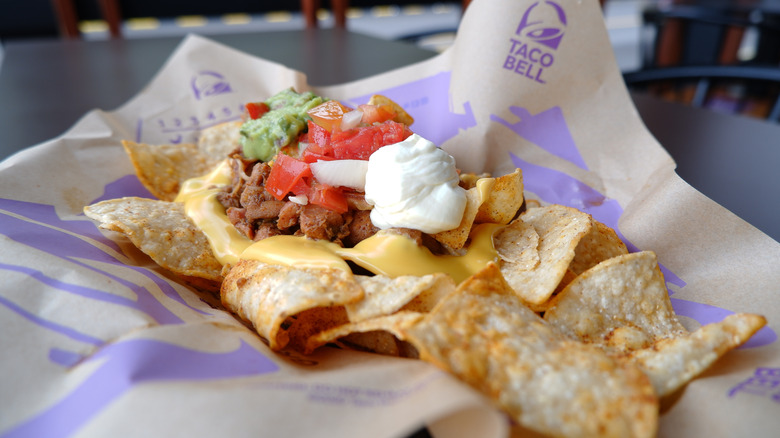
(98, 341)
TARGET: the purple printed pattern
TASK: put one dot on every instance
(533, 128)
(765, 382)
(532, 48)
(545, 30)
(556, 187)
(123, 363)
(184, 126)
(132, 362)
(352, 396)
(209, 83)
(429, 100)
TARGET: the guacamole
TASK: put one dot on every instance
(262, 138)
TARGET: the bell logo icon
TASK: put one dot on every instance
(544, 23)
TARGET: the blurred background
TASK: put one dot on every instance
(717, 54)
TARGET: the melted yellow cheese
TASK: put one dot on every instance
(384, 253)
(199, 196)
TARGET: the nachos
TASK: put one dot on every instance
(323, 224)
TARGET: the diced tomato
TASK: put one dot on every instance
(310, 155)
(319, 137)
(375, 113)
(360, 143)
(329, 114)
(318, 141)
(286, 172)
(329, 197)
(302, 187)
(255, 110)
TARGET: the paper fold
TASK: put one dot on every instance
(98, 340)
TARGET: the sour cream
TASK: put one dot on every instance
(414, 184)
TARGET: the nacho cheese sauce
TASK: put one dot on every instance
(384, 253)
(199, 196)
(414, 184)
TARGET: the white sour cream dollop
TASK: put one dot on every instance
(414, 184)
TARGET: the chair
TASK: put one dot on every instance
(694, 57)
(309, 9)
(111, 12)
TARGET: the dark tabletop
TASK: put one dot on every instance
(47, 85)
(56, 82)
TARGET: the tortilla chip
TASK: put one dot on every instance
(274, 300)
(455, 239)
(379, 335)
(385, 295)
(532, 203)
(217, 142)
(601, 243)
(429, 297)
(621, 304)
(560, 230)
(506, 198)
(671, 363)
(161, 230)
(162, 169)
(469, 180)
(484, 335)
(401, 116)
(518, 244)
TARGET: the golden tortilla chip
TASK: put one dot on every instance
(385, 295)
(506, 198)
(401, 116)
(621, 304)
(485, 336)
(601, 243)
(162, 169)
(671, 363)
(287, 305)
(429, 297)
(217, 142)
(455, 239)
(380, 335)
(163, 231)
(532, 203)
(469, 180)
(560, 230)
(518, 244)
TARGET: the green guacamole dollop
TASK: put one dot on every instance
(262, 138)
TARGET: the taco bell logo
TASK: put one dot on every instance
(537, 37)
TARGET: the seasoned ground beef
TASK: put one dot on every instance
(257, 214)
(360, 228)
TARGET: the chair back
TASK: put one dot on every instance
(112, 12)
(720, 55)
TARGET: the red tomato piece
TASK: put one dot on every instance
(302, 187)
(375, 113)
(255, 110)
(328, 114)
(309, 155)
(329, 197)
(360, 143)
(285, 174)
(318, 137)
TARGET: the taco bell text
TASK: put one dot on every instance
(529, 62)
(538, 35)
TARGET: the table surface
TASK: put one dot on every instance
(47, 85)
